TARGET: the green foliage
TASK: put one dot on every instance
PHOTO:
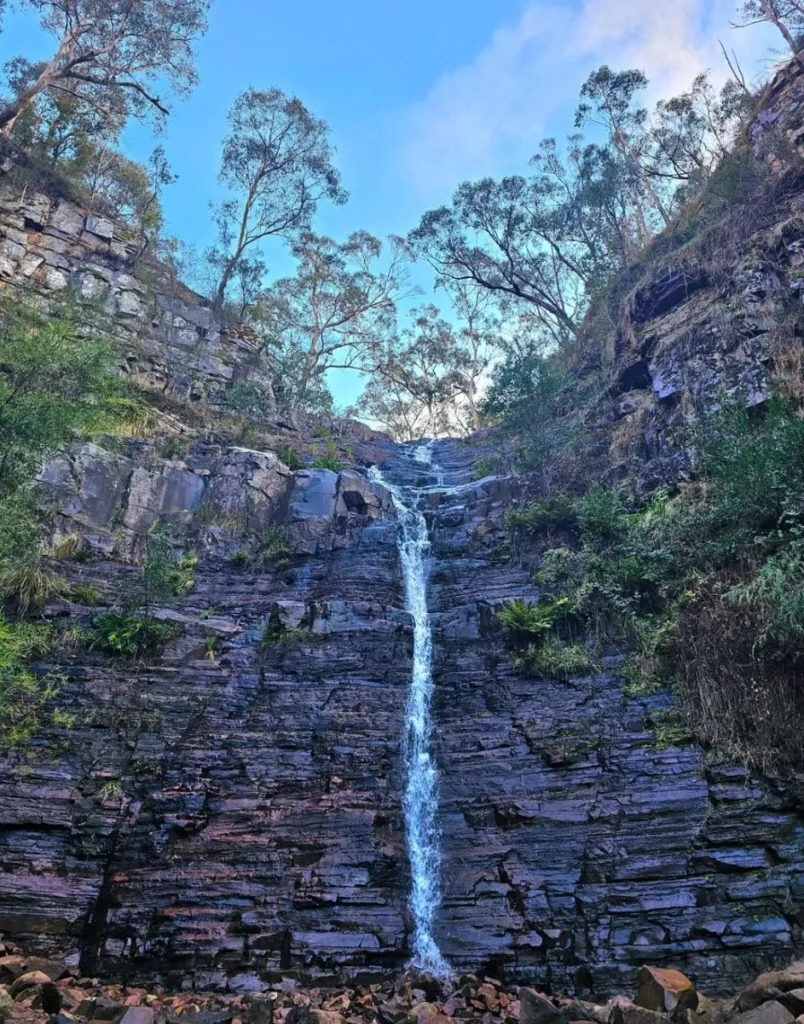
(487, 466)
(111, 792)
(756, 469)
(556, 566)
(245, 401)
(291, 458)
(555, 659)
(130, 636)
(600, 516)
(240, 559)
(273, 547)
(671, 730)
(329, 459)
(277, 635)
(174, 446)
(28, 586)
(182, 576)
(555, 512)
(523, 620)
(88, 596)
(53, 381)
(524, 396)
(26, 697)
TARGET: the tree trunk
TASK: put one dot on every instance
(768, 6)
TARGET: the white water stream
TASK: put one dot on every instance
(421, 790)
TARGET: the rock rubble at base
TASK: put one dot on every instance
(34, 990)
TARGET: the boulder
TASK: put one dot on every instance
(623, 1011)
(770, 1012)
(793, 1001)
(311, 509)
(769, 986)
(535, 1008)
(136, 1015)
(11, 967)
(661, 989)
(27, 984)
(6, 1002)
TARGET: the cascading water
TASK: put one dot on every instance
(421, 791)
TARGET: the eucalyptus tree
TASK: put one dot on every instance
(786, 15)
(112, 55)
(334, 313)
(415, 374)
(278, 166)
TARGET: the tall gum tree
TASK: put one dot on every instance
(278, 165)
(111, 55)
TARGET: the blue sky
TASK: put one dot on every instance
(420, 94)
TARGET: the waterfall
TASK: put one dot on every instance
(421, 790)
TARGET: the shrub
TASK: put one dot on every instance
(328, 460)
(28, 587)
(130, 636)
(555, 659)
(240, 559)
(291, 458)
(537, 517)
(182, 576)
(88, 596)
(277, 635)
(68, 548)
(523, 620)
(486, 466)
(56, 379)
(273, 547)
(600, 517)
(671, 730)
(25, 697)
(555, 567)
(174, 446)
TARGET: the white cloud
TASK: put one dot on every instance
(488, 116)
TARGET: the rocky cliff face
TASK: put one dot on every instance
(51, 248)
(230, 811)
(255, 826)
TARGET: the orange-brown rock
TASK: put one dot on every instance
(663, 990)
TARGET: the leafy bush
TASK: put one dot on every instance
(537, 517)
(88, 596)
(291, 458)
(130, 636)
(600, 517)
(329, 459)
(523, 620)
(486, 466)
(555, 659)
(25, 697)
(182, 576)
(54, 380)
(556, 565)
(277, 635)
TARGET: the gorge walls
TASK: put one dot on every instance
(255, 826)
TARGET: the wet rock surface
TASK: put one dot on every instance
(253, 827)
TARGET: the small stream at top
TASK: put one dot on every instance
(421, 788)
